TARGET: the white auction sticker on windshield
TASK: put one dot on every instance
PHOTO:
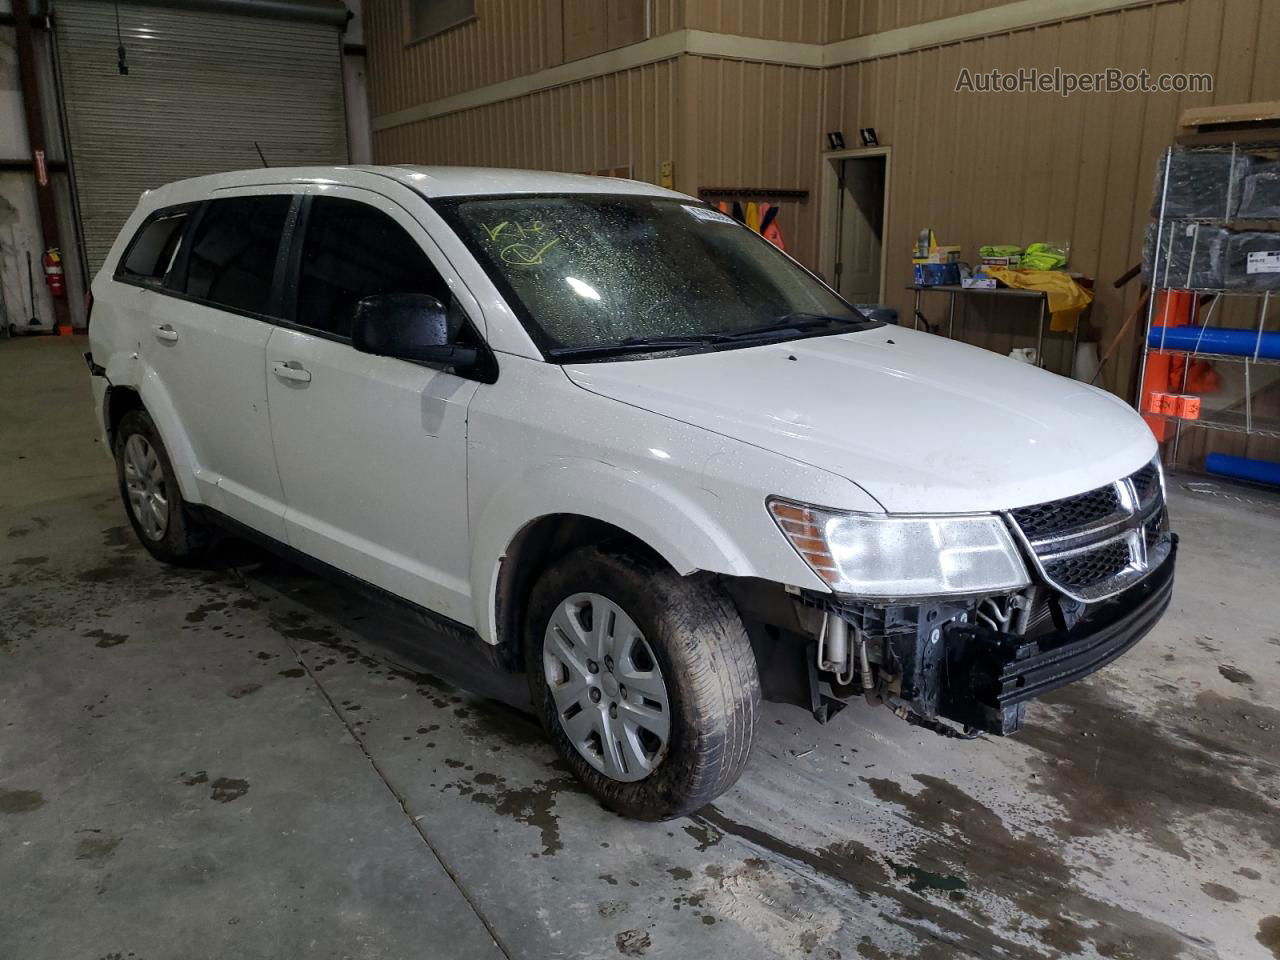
(707, 213)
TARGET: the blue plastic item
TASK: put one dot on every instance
(937, 274)
(1243, 468)
(1236, 343)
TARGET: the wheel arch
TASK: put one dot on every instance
(535, 547)
(638, 510)
(149, 395)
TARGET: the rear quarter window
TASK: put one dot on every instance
(233, 249)
(154, 248)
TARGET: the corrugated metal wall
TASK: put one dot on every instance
(803, 21)
(822, 21)
(201, 88)
(508, 38)
(856, 18)
(624, 119)
(1015, 168)
(759, 125)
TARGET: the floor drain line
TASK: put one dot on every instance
(457, 881)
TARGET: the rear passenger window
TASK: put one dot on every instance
(151, 253)
(233, 252)
(353, 251)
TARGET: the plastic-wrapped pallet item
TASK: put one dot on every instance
(1202, 183)
(1191, 257)
(1260, 196)
(1253, 260)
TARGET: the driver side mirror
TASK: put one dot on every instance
(408, 326)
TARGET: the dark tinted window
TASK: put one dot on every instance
(233, 252)
(353, 251)
(151, 253)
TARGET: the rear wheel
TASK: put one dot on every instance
(162, 520)
(644, 680)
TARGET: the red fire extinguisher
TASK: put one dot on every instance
(53, 274)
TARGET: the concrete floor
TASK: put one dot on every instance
(243, 762)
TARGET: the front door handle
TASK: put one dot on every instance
(291, 370)
(165, 332)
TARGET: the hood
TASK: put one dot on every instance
(921, 423)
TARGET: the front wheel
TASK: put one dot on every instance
(645, 681)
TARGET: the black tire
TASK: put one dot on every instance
(698, 640)
(185, 539)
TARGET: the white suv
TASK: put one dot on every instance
(626, 445)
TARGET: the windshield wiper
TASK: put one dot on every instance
(792, 321)
(671, 341)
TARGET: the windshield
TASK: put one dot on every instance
(607, 275)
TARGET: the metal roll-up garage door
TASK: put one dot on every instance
(204, 83)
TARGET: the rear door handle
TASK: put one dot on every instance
(165, 332)
(291, 370)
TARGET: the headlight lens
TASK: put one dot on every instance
(886, 556)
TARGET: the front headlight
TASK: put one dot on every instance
(876, 555)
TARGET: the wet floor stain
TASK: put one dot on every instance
(226, 789)
(243, 690)
(1115, 771)
(31, 526)
(963, 837)
(1269, 934)
(1249, 873)
(1234, 674)
(121, 568)
(118, 537)
(201, 613)
(30, 561)
(194, 779)
(919, 880)
(106, 639)
(533, 805)
(20, 801)
(1220, 892)
(632, 943)
(293, 673)
(96, 850)
(704, 834)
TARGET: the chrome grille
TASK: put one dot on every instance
(1094, 545)
(1070, 512)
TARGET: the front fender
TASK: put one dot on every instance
(677, 525)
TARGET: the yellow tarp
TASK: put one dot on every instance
(1066, 297)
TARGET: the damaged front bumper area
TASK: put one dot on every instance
(1100, 567)
(988, 676)
(976, 664)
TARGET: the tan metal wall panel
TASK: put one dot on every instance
(1023, 167)
(803, 21)
(857, 18)
(508, 38)
(624, 119)
(759, 125)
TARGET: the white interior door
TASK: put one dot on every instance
(861, 229)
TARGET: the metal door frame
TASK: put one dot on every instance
(831, 208)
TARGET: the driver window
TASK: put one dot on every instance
(352, 251)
